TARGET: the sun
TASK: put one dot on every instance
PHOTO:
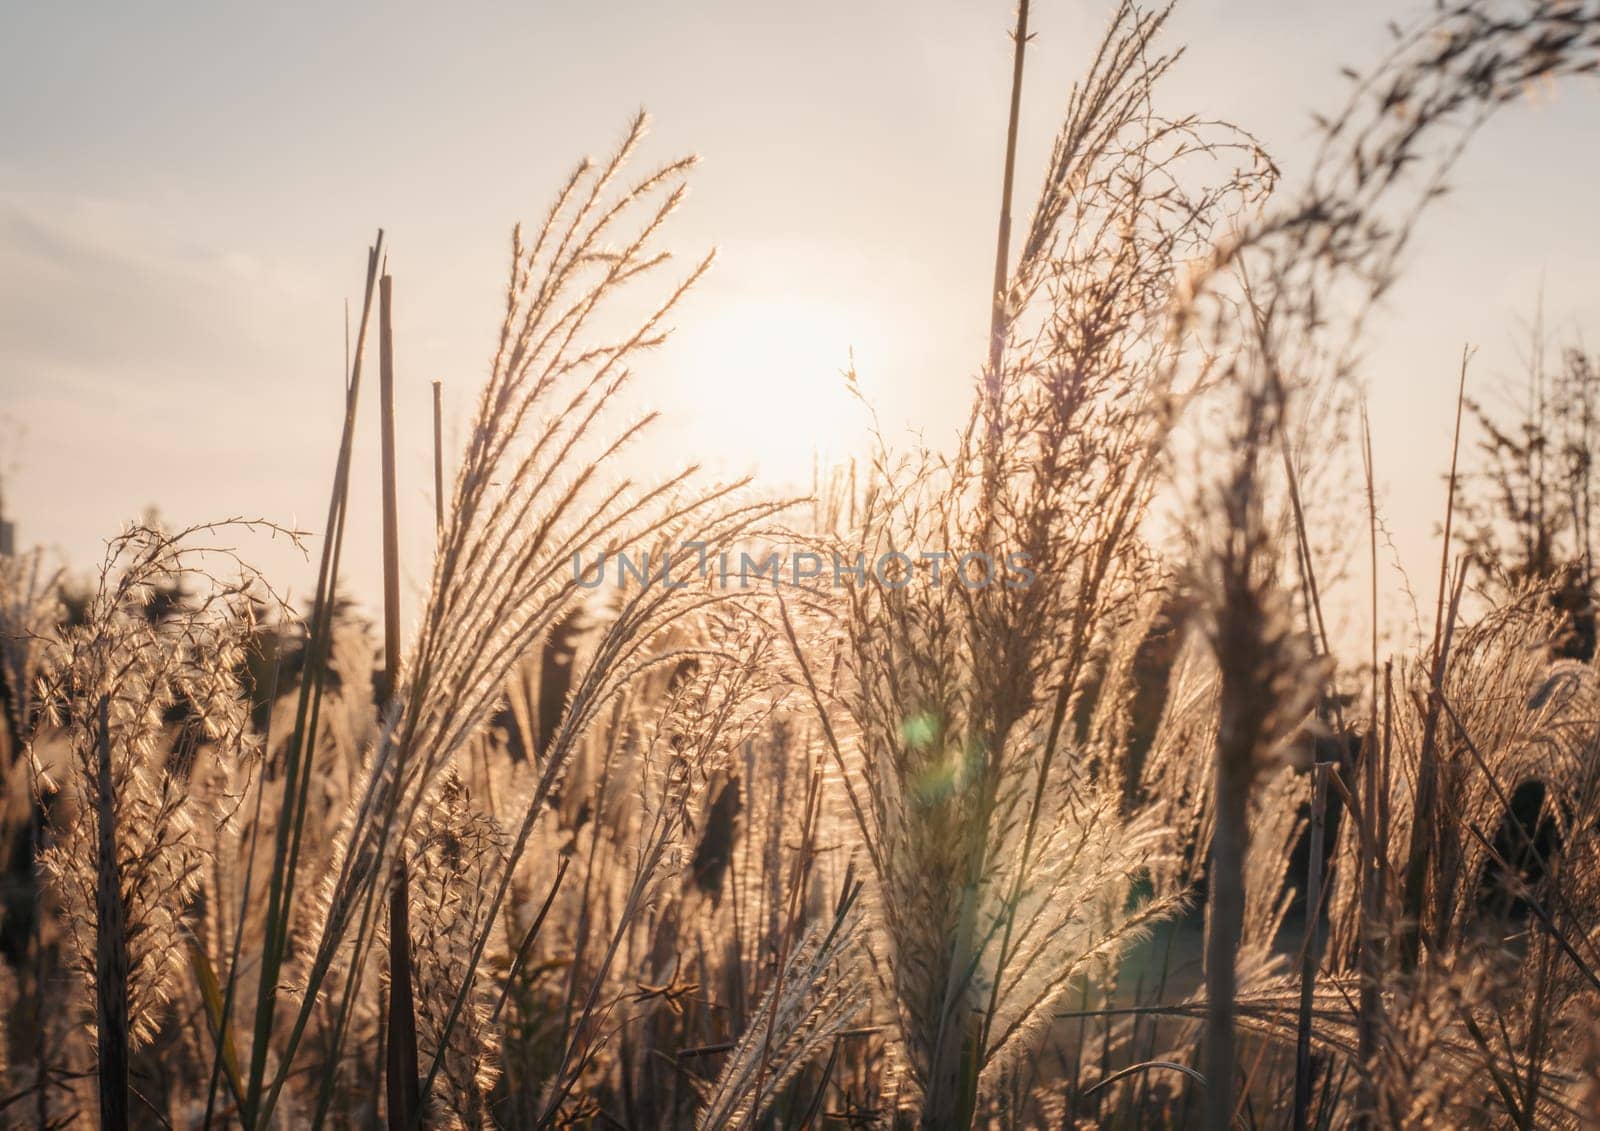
(759, 387)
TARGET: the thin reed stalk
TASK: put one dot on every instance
(111, 955)
(297, 758)
(405, 1107)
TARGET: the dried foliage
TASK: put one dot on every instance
(1012, 829)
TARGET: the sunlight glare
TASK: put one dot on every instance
(762, 389)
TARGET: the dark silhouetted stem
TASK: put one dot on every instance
(1311, 949)
(111, 953)
(403, 1085)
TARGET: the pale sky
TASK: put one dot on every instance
(187, 191)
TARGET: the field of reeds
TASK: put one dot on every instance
(1116, 833)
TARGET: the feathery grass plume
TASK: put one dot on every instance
(459, 852)
(907, 739)
(1510, 718)
(1001, 861)
(821, 997)
(1471, 1034)
(1266, 689)
(528, 505)
(706, 713)
(1389, 152)
(140, 703)
(1175, 786)
(166, 684)
(1312, 266)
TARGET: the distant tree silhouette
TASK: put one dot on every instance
(1529, 511)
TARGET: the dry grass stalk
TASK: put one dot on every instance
(609, 840)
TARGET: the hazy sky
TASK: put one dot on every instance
(187, 192)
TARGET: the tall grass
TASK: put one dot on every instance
(907, 851)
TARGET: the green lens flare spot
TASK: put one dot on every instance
(919, 731)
